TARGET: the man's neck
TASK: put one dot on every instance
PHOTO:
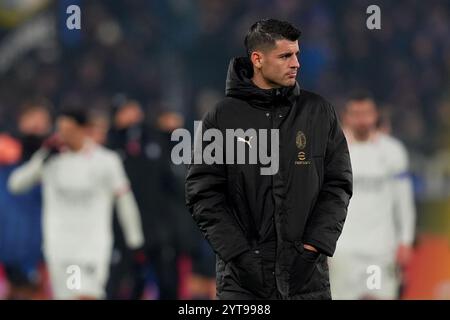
(364, 137)
(78, 145)
(259, 81)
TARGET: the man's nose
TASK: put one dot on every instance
(295, 63)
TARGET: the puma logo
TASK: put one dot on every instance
(245, 141)
(209, 147)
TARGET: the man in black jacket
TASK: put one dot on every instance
(272, 233)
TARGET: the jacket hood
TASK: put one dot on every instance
(239, 85)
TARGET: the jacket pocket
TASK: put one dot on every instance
(248, 271)
(302, 270)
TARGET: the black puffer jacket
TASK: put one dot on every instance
(239, 210)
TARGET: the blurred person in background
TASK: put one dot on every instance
(145, 152)
(99, 122)
(202, 282)
(20, 215)
(81, 182)
(379, 229)
(196, 268)
(196, 259)
(98, 126)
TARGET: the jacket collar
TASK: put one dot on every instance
(239, 85)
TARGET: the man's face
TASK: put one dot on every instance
(70, 132)
(98, 129)
(279, 65)
(35, 122)
(128, 116)
(361, 118)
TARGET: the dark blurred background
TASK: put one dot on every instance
(171, 57)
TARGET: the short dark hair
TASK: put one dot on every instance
(75, 112)
(34, 104)
(263, 34)
(361, 95)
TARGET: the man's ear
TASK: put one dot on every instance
(257, 58)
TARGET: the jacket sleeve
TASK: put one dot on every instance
(327, 219)
(206, 189)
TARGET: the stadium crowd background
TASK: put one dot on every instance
(172, 57)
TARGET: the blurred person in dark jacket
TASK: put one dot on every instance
(20, 215)
(145, 151)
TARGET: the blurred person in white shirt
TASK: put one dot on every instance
(81, 182)
(379, 230)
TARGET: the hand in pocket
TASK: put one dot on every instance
(302, 269)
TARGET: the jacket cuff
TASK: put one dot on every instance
(321, 246)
